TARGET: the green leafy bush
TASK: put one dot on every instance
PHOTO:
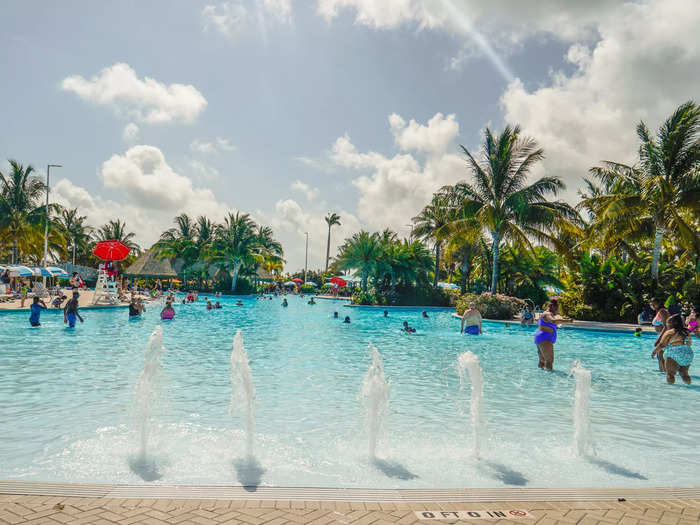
(367, 298)
(491, 306)
(307, 288)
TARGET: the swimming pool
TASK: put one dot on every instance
(67, 396)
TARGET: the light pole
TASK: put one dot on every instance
(46, 220)
(306, 257)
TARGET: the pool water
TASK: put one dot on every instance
(67, 396)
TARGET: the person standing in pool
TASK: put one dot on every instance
(70, 311)
(471, 321)
(167, 313)
(546, 335)
(659, 324)
(676, 346)
(36, 307)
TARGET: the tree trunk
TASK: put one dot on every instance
(234, 274)
(494, 269)
(656, 254)
(437, 264)
(14, 251)
(465, 269)
(328, 246)
(365, 276)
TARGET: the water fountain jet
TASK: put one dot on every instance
(468, 362)
(147, 389)
(375, 397)
(582, 423)
(243, 389)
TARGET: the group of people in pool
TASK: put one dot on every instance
(70, 310)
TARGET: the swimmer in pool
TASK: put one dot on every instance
(425, 315)
(408, 329)
(284, 302)
(471, 321)
(168, 312)
(347, 319)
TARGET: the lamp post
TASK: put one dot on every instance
(306, 257)
(46, 220)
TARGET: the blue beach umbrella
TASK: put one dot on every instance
(51, 271)
(19, 270)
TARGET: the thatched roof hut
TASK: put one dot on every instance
(149, 265)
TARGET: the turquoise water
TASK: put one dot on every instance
(66, 401)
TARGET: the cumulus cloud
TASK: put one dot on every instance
(130, 133)
(646, 63)
(143, 100)
(228, 19)
(281, 9)
(217, 145)
(305, 189)
(291, 220)
(394, 189)
(204, 170)
(143, 191)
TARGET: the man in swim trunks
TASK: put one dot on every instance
(659, 324)
(70, 311)
(471, 321)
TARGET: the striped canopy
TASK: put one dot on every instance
(51, 271)
(18, 270)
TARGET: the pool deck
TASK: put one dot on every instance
(25, 503)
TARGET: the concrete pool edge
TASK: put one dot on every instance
(222, 492)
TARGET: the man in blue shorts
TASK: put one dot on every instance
(70, 312)
(471, 321)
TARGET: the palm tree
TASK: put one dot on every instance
(362, 252)
(235, 243)
(499, 198)
(115, 230)
(332, 219)
(650, 199)
(21, 211)
(73, 227)
(179, 242)
(429, 222)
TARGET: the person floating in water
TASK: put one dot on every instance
(209, 305)
(471, 321)
(335, 315)
(347, 319)
(638, 331)
(168, 312)
(36, 307)
(425, 315)
(70, 311)
(676, 347)
(408, 329)
(284, 302)
(239, 303)
(135, 308)
(311, 301)
(386, 313)
(217, 305)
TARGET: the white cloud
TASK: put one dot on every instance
(130, 133)
(204, 171)
(291, 220)
(394, 189)
(281, 9)
(302, 187)
(434, 138)
(143, 100)
(228, 18)
(207, 147)
(318, 164)
(646, 63)
(143, 191)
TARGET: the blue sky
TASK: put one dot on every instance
(289, 109)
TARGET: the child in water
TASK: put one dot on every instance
(408, 329)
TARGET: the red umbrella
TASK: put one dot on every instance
(111, 250)
(339, 281)
(297, 280)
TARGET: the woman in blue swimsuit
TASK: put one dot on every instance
(675, 346)
(546, 335)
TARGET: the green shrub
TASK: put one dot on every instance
(307, 288)
(243, 286)
(367, 298)
(491, 306)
